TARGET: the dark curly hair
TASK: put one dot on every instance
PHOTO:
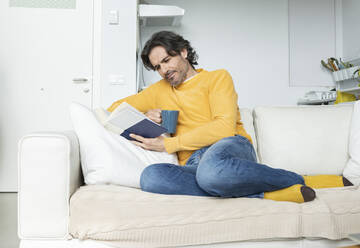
(173, 44)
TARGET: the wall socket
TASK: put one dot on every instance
(116, 79)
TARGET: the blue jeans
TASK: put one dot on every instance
(228, 168)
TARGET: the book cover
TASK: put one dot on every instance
(126, 119)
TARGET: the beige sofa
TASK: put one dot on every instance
(55, 210)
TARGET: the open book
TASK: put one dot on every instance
(126, 119)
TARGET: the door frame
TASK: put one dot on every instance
(97, 53)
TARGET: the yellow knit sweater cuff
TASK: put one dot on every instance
(171, 144)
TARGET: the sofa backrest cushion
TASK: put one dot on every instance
(304, 139)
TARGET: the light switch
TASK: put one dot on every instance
(114, 17)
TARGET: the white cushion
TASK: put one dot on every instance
(248, 121)
(108, 158)
(352, 169)
(307, 140)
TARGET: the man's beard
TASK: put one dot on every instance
(175, 83)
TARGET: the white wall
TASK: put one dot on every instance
(351, 29)
(313, 36)
(249, 38)
(118, 46)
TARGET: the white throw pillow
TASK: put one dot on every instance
(352, 168)
(108, 158)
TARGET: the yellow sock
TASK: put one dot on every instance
(296, 193)
(325, 181)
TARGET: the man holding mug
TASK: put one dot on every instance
(215, 153)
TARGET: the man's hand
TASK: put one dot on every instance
(154, 115)
(152, 144)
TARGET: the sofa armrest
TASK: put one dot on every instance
(49, 173)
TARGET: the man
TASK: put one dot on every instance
(215, 153)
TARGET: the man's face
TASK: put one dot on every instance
(172, 68)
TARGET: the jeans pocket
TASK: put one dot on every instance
(194, 159)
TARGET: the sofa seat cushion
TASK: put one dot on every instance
(129, 217)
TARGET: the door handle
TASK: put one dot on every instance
(80, 80)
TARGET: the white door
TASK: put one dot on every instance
(45, 63)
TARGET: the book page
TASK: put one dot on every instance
(125, 118)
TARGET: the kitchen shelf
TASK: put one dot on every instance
(316, 102)
(353, 60)
(318, 98)
(345, 74)
(160, 15)
(346, 81)
(354, 90)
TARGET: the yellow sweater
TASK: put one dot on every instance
(207, 105)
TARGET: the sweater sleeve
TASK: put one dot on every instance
(142, 101)
(223, 106)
